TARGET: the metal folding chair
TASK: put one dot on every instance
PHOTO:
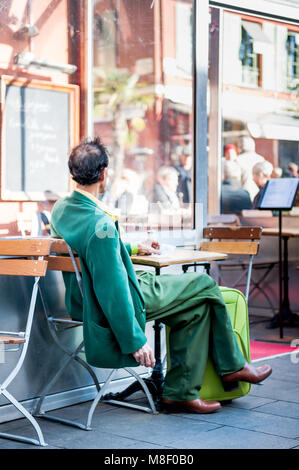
(240, 242)
(22, 258)
(63, 259)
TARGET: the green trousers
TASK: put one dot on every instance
(192, 306)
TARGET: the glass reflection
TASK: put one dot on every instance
(259, 107)
(142, 78)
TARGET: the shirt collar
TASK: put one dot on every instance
(99, 203)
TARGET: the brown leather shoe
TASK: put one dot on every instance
(249, 373)
(193, 406)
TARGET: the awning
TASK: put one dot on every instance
(275, 126)
(264, 117)
(179, 94)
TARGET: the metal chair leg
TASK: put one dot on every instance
(26, 414)
(152, 408)
(37, 411)
(72, 355)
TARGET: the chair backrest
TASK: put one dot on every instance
(59, 258)
(24, 257)
(232, 240)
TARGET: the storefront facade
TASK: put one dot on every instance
(166, 85)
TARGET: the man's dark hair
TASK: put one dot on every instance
(87, 161)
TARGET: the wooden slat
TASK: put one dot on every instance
(62, 263)
(235, 233)
(20, 267)
(58, 246)
(231, 247)
(25, 247)
(12, 340)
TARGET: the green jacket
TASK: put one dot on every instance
(112, 310)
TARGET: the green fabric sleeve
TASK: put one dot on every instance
(111, 286)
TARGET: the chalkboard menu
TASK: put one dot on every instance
(38, 130)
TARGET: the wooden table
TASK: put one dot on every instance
(182, 257)
(179, 256)
(285, 314)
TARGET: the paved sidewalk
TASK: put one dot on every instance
(267, 418)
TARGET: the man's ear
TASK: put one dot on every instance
(102, 175)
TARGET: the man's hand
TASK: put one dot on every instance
(148, 247)
(145, 356)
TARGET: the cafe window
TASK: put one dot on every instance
(258, 110)
(292, 47)
(143, 109)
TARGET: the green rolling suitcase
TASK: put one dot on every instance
(212, 388)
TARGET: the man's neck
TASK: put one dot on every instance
(93, 189)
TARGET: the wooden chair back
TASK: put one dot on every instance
(59, 258)
(232, 240)
(24, 257)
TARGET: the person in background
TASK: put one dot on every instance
(233, 197)
(247, 159)
(125, 191)
(164, 192)
(184, 187)
(277, 172)
(292, 170)
(230, 152)
(261, 173)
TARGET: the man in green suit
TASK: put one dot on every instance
(117, 300)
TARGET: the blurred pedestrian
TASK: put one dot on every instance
(230, 152)
(292, 170)
(184, 187)
(234, 198)
(247, 159)
(164, 192)
(261, 173)
(277, 172)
